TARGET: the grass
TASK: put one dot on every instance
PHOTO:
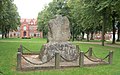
(8, 51)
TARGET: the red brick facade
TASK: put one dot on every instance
(28, 28)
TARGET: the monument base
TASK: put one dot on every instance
(67, 51)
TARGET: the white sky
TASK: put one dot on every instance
(30, 8)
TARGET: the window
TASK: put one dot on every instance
(24, 28)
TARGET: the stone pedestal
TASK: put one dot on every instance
(65, 49)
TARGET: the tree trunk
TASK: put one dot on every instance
(92, 36)
(103, 25)
(113, 25)
(2, 30)
(5, 35)
(73, 35)
(8, 30)
(44, 34)
(5, 32)
(8, 34)
(2, 35)
(103, 33)
(87, 36)
(118, 39)
(83, 35)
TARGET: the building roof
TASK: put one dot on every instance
(28, 21)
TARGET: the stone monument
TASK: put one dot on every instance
(58, 29)
(58, 36)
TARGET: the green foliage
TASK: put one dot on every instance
(87, 16)
(9, 17)
(57, 7)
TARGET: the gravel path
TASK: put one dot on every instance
(99, 43)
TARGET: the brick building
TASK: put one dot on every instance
(28, 28)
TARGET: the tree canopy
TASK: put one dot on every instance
(86, 16)
(9, 17)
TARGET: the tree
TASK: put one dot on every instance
(86, 16)
(57, 7)
(109, 7)
(9, 18)
(102, 7)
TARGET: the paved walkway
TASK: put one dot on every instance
(20, 41)
(99, 43)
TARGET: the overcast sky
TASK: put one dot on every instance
(30, 8)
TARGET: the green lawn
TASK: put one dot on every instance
(8, 51)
